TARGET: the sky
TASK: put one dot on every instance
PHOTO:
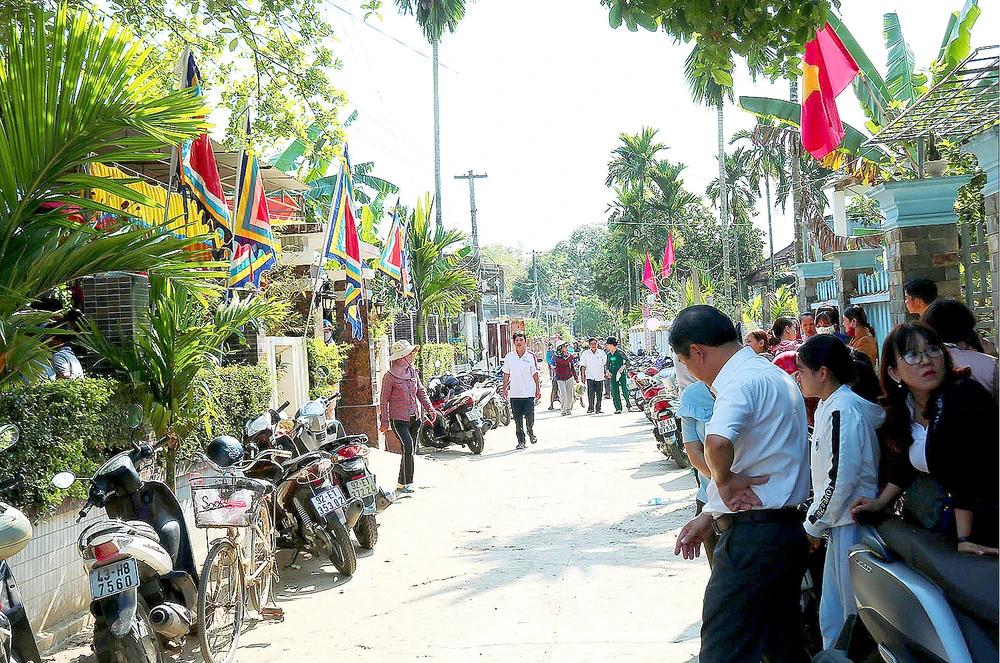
(534, 93)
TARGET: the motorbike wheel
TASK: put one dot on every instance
(425, 437)
(679, 455)
(367, 531)
(343, 554)
(478, 442)
(139, 645)
(220, 603)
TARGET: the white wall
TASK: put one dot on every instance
(288, 366)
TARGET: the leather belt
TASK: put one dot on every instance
(790, 514)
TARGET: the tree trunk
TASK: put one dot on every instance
(800, 239)
(724, 211)
(770, 232)
(437, 140)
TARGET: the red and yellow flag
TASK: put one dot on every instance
(827, 69)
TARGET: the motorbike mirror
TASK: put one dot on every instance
(133, 416)
(9, 435)
(63, 480)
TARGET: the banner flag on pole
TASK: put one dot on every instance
(252, 223)
(342, 244)
(199, 173)
(827, 70)
(391, 262)
(668, 257)
(648, 279)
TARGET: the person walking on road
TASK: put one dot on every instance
(564, 375)
(400, 400)
(521, 387)
(593, 365)
(757, 448)
(550, 361)
(617, 363)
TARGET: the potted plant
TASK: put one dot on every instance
(935, 165)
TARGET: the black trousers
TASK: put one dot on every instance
(523, 410)
(595, 393)
(406, 431)
(751, 604)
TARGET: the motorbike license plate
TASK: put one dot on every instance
(666, 425)
(363, 487)
(329, 501)
(114, 578)
(474, 415)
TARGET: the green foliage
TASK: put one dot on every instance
(430, 353)
(957, 42)
(95, 84)
(592, 317)
(326, 366)
(239, 392)
(513, 261)
(903, 82)
(534, 327)
(433, 16)
(65, 425)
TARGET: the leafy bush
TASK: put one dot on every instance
(240, 392)
(326, 366)
(65, 425)
(430, 353)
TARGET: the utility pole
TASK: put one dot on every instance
(538, 295)
(472, 177)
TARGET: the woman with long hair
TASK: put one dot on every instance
(942, 441)
(860, 332)
(758, 340)
(784, 333)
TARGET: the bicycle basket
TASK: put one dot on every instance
(226, 501)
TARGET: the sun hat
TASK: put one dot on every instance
(401, 348)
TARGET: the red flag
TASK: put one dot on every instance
(827, 69)
(647, 276)
(668, 257)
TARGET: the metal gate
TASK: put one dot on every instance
(977, 286)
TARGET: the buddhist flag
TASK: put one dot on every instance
(668, 257)
(827, 69)
(648, 279)
(252, 223)
(342, 244)
(199, 175)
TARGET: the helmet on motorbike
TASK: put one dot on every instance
(786, 362)
(224, 450)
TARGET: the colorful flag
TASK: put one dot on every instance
(252, 225)
(391, 262)
(668, 257)
(342, 244)
(199, 175)
(648, 279)
(827, 69)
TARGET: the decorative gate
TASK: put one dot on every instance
(977, 286)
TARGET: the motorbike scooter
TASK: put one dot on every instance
(17, 640)
(666, 432)
(459, 422)
(919, 599)
(141, 566)
(352, 475)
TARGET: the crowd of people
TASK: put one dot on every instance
(912, 429)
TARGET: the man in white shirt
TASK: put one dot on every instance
(593, 365)
(521, 387)
(757, 448)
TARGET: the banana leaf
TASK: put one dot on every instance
(872, 92)
(904, 84)
(957, 42)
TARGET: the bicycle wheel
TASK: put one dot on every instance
(261, 548)
(220, 603)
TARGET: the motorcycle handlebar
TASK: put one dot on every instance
(16, 481)
(283, 406)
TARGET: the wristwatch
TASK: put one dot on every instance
(963, 539)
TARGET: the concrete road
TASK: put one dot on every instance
(547, 554)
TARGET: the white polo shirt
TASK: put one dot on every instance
(594, 362)
(521, 370)
(759, 408)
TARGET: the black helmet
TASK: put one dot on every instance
(224, 450)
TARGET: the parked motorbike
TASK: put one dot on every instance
(460, 422)
(142, 574)
(17, 640)
(668, 438)
(356, 480)
(918, 598)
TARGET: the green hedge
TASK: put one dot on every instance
(241, 392)
(430, 353)
(326, 366)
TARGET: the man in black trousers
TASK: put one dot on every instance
(757, 448)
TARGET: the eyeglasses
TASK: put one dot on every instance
(914, 358)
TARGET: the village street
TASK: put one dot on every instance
(537, 555)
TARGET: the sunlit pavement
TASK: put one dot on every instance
(546, 554)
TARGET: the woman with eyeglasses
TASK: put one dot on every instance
(942, 441)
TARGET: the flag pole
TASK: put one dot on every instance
(179, 70)
(319, 260)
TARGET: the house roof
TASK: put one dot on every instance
(782, 260)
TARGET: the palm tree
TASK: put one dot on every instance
(94, 84)
(434, 16)
(742, 188)
(441, 284)
(706, 90)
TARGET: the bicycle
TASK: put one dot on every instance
(240, 565)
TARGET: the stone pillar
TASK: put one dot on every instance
(921, 236)
(117, 302)
(358, 405)
(986, 147)
(808, 274)
(847, 265)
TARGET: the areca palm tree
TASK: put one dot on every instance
(708, 91)
(434, 17)
(634, 158)
(440, 281)
(74, 91)
(739, 194)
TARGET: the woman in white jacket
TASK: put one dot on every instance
(845, 456)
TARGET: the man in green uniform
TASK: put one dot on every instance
(617, 363)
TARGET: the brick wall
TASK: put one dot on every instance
(928, 252)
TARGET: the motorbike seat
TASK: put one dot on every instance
(969, 582)
(124, 527)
